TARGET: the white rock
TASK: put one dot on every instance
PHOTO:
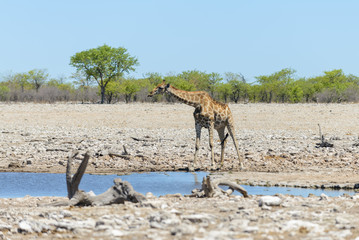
(341, 220)
(117, 233)
(323, 197)
(150, 195)
(269, 201)
(184, 229)
(66, 213)
(24, 226)
(295, 225)
(4, 226)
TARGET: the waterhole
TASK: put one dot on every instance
(16, 184)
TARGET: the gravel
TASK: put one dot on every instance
(279, 147)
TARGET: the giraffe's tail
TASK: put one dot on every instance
(225, 138)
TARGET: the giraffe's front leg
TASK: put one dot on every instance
(198, 138)
(210, 131)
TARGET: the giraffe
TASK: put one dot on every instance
(208, 114)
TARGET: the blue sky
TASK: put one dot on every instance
(249, 37)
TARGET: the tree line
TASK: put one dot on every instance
(100, 77)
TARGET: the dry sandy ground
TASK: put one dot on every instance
(278, 143)
(274, 138)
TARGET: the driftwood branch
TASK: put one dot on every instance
(73, 181)
(210, 188)
(323, 142)
(148, 139)
(119, 193)
(125, 154)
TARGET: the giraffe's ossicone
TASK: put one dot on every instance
(208, 113)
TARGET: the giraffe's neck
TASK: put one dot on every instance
(189, 98)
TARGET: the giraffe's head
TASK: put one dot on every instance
(161, 88)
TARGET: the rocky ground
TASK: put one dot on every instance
(278, 143)
(178, 217)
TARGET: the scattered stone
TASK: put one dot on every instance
(278, 145)
(269, 201)
(24, 227)
(323, 197)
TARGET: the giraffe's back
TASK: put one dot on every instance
(211, 110)
(222, 115)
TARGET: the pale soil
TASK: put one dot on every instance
(275, 138)
(278, 147)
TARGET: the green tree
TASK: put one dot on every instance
(21, 80)
(276, 85)
(129, 87)
(113, 90)
(154, 79)
(307, 87)
(239, 86)
(214, 79)
(254, 92)
(37, 77)
(331, 86)
(196, 78)
(181, 83)
(224, 90)
(295, 93)
(4, 90)
(104, 64)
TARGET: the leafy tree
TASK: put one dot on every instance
(295, 93)
(276, 85)
(4, 90)
(112, 90)
(331, 86)
(154, 78)
(268, 87)
(254, 92)
(196, 78)
(224, 90)
(104, 64)
(238, 84)
(214, 79)
(81, 79)
(129, 87)
(37, 77)
(183, 84)
(61, 84)
(20, 80)
(307, 87)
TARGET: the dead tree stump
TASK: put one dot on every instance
(73, 181)
(119, 193)
(210, 188)
(323, 142)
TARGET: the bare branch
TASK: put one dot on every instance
(73, 182)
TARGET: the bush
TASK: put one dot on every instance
(351, 95)
(4, 91)
(328, 96)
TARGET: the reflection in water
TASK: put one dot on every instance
(48, 184)
(195, 178)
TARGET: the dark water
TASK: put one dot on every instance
(159, 183)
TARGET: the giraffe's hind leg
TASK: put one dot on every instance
(232, 132)
(223, 140)
(210, 133)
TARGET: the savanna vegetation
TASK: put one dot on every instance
(102, 76)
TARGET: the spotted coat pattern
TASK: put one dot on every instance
(208, 113)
